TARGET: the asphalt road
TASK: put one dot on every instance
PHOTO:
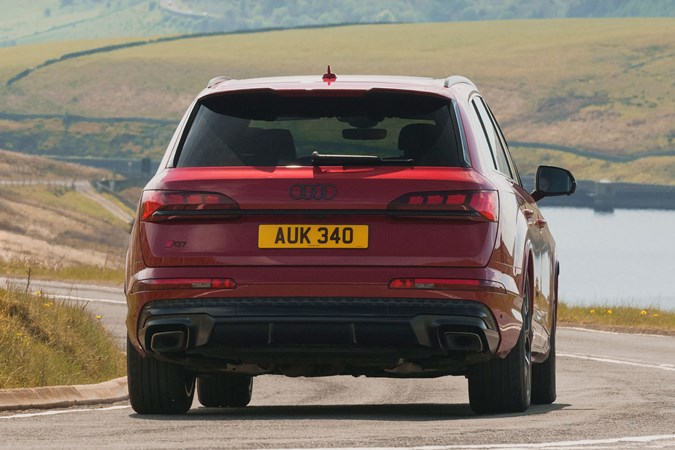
(614, 391)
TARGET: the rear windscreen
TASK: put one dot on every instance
(270, 129)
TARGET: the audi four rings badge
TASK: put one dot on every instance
(313, 192)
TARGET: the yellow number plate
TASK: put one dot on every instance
(313, 236)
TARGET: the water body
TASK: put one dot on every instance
(622, 258)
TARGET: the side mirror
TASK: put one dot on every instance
(552, 181)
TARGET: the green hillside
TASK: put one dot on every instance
(599, 85)
(49, 20)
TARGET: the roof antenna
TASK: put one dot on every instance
(329, 77)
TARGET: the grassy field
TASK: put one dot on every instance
(56, 230)
(56, 233)
(19, 167)
(625, 319)
(18, 267)
(51, 227)
(601, 84)
(44, 342)
(47, 20)
(647, 170)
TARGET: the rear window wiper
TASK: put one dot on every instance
(358, 160)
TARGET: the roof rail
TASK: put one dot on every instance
(216, 81)
(454, 79)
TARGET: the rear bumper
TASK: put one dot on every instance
(358, 336)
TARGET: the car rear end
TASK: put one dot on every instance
(321, 229)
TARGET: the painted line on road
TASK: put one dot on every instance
(591, 330)
(667, 367)
(86, 299)
(547, 445)
(63, 411)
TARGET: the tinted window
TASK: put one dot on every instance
(267, 129)
(494, 141)
(505, 147)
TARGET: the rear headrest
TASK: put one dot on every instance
(253, 148)
(283, 144)
(417, 137)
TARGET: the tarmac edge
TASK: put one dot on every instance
(64, 396)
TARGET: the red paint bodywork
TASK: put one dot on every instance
(500, 252)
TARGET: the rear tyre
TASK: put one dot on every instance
(221, 390)
(505, 385)
(157, 387)
(543, 378)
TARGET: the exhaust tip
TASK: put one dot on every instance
(168, 341)
(460, 341)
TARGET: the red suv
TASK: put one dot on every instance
(341, 225)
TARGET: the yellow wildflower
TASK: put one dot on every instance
(655, 315)
(99, 317)
(592, 311)
(643, 313)
(39, 293)
(609, 312)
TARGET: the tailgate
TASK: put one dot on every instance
(308, 216)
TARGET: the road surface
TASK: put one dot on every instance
(614, 391)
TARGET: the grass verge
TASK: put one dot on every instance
(76, 272)
(44, 342)
(620, 318)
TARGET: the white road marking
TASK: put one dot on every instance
(63, 411)
(546, 445)
(667, 367)
(85, 299)
(590, 330)
(581, 444)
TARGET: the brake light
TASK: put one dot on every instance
(485, 204)
(476, 205)
(158, 206)
(339, 93)
(161, 284)
(446, 283)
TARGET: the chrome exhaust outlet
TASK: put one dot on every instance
(168, 342)
(460, 341)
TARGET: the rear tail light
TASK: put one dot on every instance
(458, 284)
(159, 206)
(476, 205)
(177, 284)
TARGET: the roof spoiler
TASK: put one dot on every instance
(455, 79)
(216, 81)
